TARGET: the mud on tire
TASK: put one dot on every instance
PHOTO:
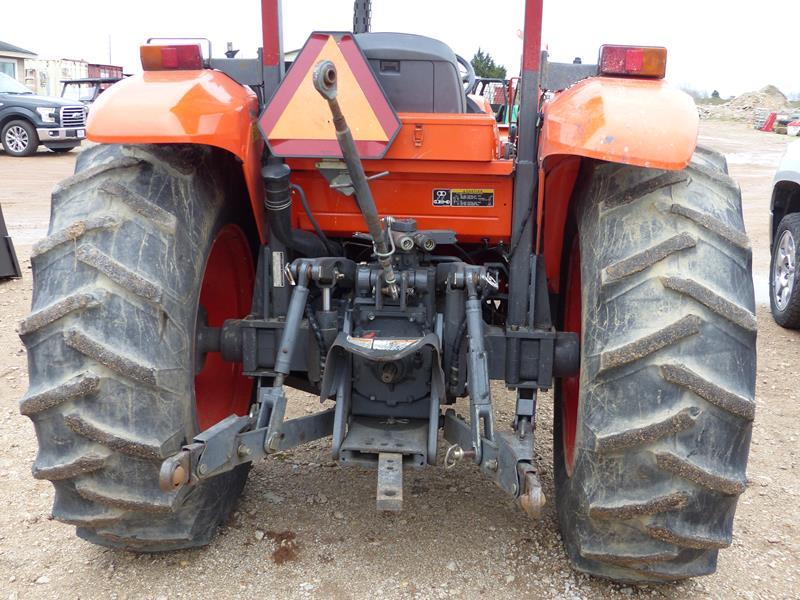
(110, 342)
(667, 380)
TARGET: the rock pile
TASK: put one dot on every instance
(744, 107)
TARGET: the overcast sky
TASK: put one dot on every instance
(713, 44)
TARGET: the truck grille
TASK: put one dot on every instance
(73, 116)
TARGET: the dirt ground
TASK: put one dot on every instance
(458, 536)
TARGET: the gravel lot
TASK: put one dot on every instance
(458, 536)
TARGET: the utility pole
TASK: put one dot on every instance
(362, 16)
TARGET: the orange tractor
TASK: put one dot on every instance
(355, 226)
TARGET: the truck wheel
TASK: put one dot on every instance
(19, 138)
(784, 293)
(651, 439)
(140, 238)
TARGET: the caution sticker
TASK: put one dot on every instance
(466, 197)
(370, 343)
(360, 341)
(392, 344)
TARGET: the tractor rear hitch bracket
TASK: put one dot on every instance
(239, 439)
(507, 460)
(234, 441)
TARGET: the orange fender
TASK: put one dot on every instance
(639, 122)
(184, 107)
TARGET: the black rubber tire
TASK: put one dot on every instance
(110, 342)
(33, 138)
(667, 373)
(789, 316)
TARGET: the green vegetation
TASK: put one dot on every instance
(484, 66)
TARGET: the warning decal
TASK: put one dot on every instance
(392, 344)
(463, 197)
(361, 341)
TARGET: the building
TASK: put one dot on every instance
(45, 76)
(12, 60)
(105, 71)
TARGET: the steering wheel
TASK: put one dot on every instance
(469, 77)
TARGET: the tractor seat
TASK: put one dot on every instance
(418, 73)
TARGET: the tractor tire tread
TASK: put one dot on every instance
(113, 440)
(72, 467)
(82, 384)
(118, 273)
(108, 344)
(712, 299)
(666, 179)
(657, 428)
(71, 233)
(647, 258)
(728, 233)
(69, 304)
(661, 455)
(164, 219)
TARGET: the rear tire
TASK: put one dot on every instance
(111, 341)
(664, 408)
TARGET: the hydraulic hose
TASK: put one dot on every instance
(278, 202)
(333, 247)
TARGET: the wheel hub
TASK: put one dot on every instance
(783, 272)
(17, 139)
(226, 293)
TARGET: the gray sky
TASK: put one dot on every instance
(713, 44)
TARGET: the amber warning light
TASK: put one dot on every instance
(633, 61)
(172, 57)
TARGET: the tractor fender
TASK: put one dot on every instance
(185, 107)
(646, 123)
(639, 122)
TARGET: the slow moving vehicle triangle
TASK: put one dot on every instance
(297, 121)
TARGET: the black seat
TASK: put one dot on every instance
(418, 73)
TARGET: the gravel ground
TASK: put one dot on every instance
(458, 535)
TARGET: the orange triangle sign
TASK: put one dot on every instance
(298, 122)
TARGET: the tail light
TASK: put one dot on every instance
(172, 57)
(633, 61)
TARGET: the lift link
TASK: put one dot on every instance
(480, 396)
(473, 279)
(504, 457)
(239, 439)
(325, 82)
